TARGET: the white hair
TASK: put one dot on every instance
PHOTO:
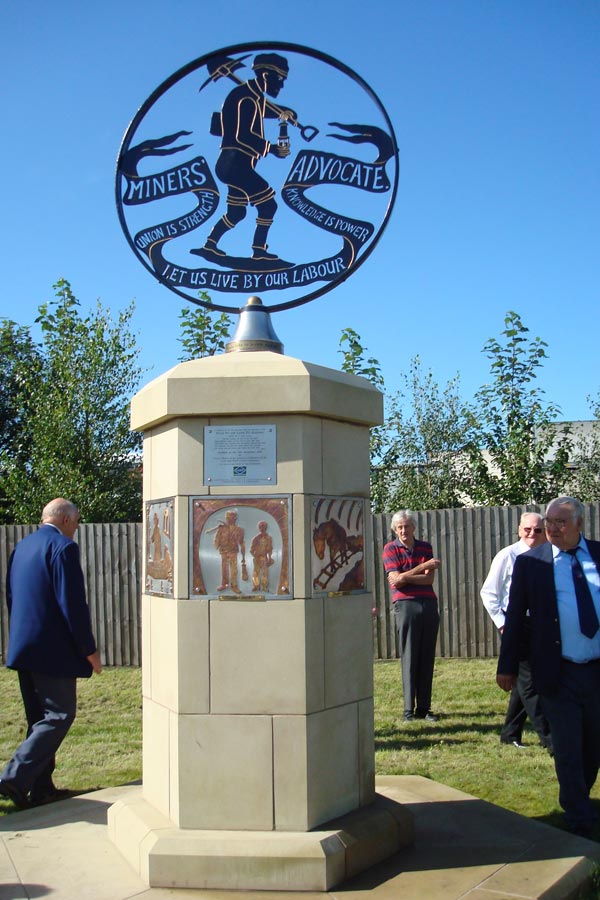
(577, 509)
(403, 514)
(524, 515)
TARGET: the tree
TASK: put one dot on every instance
(355, 363)
(417, 455)
(68, 414)
(20, 359)
(202, 335)
(518, 455)
(429, 428)
(586, 458)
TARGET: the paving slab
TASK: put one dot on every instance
(464, 848)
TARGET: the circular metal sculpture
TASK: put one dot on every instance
(263, 194)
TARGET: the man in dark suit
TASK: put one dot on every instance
(524, 701)
(50, 645)
(558, 584)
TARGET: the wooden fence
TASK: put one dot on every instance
(466, 540)
(111, 558)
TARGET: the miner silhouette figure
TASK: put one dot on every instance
(243, 144)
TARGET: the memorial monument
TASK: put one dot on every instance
(257, 634)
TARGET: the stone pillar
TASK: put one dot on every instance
(258, 706)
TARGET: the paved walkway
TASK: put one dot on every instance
(464, 848)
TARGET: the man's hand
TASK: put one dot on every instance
(288, 115)
(94, 661)
(425, 568)
(506, 682)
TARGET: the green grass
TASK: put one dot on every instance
(462, 749)
(103, 747)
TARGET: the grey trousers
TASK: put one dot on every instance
(50, 706)
(417, 624)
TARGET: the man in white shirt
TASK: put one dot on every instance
(523, 701)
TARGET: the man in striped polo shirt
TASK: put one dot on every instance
(410, 568)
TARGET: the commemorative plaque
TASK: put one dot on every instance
(240, 454)
(263, 169)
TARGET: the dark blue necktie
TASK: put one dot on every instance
(588, 620)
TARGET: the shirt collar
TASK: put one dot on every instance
(406, 547)
(582, 544)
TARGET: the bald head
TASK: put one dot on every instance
(63, 514)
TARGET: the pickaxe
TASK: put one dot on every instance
(224, 67)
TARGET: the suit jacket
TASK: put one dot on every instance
(50, 630)
(532, 589)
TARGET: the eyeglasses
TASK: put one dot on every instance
(535, 530)
(556, 523)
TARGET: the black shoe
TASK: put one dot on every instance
(211, 247)
(408, 715)
(53, 795)
(210, 252)
(428, 715)
(12, 792)
(263, 253)
(516, 744)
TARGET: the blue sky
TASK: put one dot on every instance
(495, 108)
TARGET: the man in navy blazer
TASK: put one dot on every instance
(565, 662)
(50, 645)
